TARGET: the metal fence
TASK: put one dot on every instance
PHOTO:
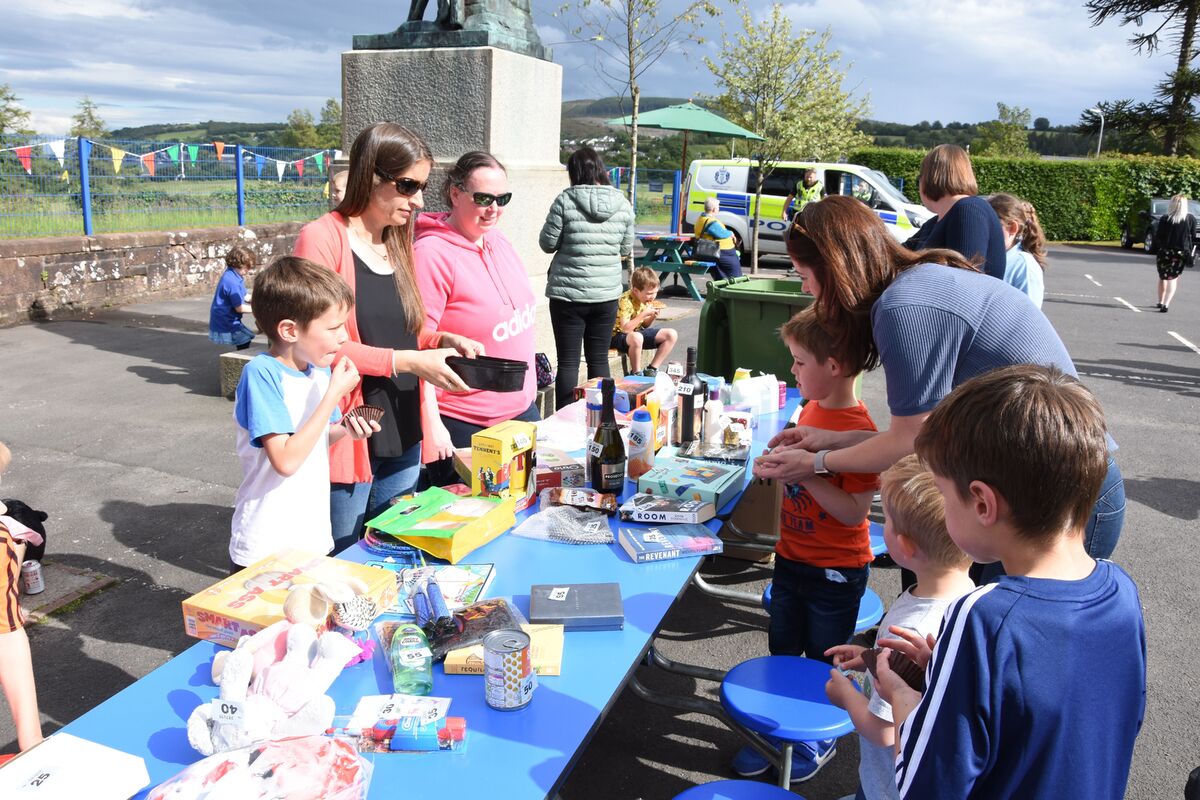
(73, 185)
(657, 196)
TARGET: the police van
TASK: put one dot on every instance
(733, 182)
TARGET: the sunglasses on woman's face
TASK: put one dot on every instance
(404, 186)
(483, 199)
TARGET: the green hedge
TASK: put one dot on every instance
(1084, 200)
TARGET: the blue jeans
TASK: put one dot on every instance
(1104, 527)
(811, 613)
(352, 504)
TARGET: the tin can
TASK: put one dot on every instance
(508, 678)
(31, 578)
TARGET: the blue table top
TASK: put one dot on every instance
(514, 754)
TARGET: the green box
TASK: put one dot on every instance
(740, 321)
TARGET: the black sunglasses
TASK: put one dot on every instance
(405, 186)
(483, 199)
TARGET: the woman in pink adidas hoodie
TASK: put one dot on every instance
(473, 283)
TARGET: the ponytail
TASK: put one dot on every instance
(1030, 236)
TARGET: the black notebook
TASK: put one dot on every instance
(578, 606)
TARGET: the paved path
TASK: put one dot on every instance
(118, 432)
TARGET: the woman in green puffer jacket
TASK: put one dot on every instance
(590, 231)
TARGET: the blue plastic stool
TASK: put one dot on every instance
(783, 698)
(737, 790)
(878, 547)
(870, 609)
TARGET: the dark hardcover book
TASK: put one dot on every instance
(721, 453)
(578, 606)
(662, 542)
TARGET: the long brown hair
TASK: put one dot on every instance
(1010, 208)
(853, 258)
(393, 149)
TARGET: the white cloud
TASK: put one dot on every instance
(146, 61)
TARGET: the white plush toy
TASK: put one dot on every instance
(286, 697)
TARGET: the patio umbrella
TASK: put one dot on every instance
(688, 117)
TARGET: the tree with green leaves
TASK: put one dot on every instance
(1173, 111)
(632, 35)
(301, 131)
(13, 118)
(87, 122)
(329, 129)
(787, 87)
(1007, 135)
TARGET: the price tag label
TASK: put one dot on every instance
(654, 536)
(675, 369)
(559, 594)
(685, 389)
(637, 439)
(229, 712)
(37, 779)
(414, 657)
(594, 449)
(521, 441)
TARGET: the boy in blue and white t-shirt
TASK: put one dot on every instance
(287, 412)
(230, 300)
(1036, 687)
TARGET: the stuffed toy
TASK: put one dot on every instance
(279, 695)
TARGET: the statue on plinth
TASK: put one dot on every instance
(507, 24)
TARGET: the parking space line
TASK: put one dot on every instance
(1093, 280)
(1185, 342)
(1069, 294)
(1127, 304)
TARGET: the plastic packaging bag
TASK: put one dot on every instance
(298, 768)
(567, 524)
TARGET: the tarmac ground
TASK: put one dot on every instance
(118, 431)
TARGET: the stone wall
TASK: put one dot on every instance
(71, 275)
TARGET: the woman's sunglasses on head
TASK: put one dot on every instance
(483, 199)
(404, 186)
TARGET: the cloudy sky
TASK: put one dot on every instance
(150, 61)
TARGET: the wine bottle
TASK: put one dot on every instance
(691, 401)
(606, 452)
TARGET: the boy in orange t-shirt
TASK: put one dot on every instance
(824, 546)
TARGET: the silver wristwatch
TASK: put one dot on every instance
(819, 468)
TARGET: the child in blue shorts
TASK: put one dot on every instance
(231, 300)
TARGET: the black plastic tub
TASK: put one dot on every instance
(489, 373)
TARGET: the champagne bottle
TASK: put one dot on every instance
(606, 452)
(691, 401)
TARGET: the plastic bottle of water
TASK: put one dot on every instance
(412, 661)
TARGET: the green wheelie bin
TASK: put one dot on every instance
(739, 325)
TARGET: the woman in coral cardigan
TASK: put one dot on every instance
(367, 240)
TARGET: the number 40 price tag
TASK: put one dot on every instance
(228, 711)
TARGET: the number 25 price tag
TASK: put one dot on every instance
(228, 711)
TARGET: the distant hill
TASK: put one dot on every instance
(249, 133)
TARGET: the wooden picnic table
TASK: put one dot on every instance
(664, 255)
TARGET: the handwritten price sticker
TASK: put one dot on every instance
(228, 712)
(521, 440)
(675, 370)
(559, 594)
(685, 389)
(594, 449)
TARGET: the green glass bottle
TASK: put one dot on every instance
(606, 451)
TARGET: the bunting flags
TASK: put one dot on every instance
(26, 158)
(258, 163)
(66, 178)
(280, 166)
(148, 163)
(173, 152)
(57, 149)
(118, 155)
(193, 151)
(299, 167)
(220, 147)
(320, 159)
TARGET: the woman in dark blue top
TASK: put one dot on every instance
(965, 222)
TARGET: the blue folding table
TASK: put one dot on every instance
(514, 754)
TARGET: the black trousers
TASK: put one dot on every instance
(589, 324)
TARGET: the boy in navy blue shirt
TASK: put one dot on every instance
(1036, 685)
(231, 300)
